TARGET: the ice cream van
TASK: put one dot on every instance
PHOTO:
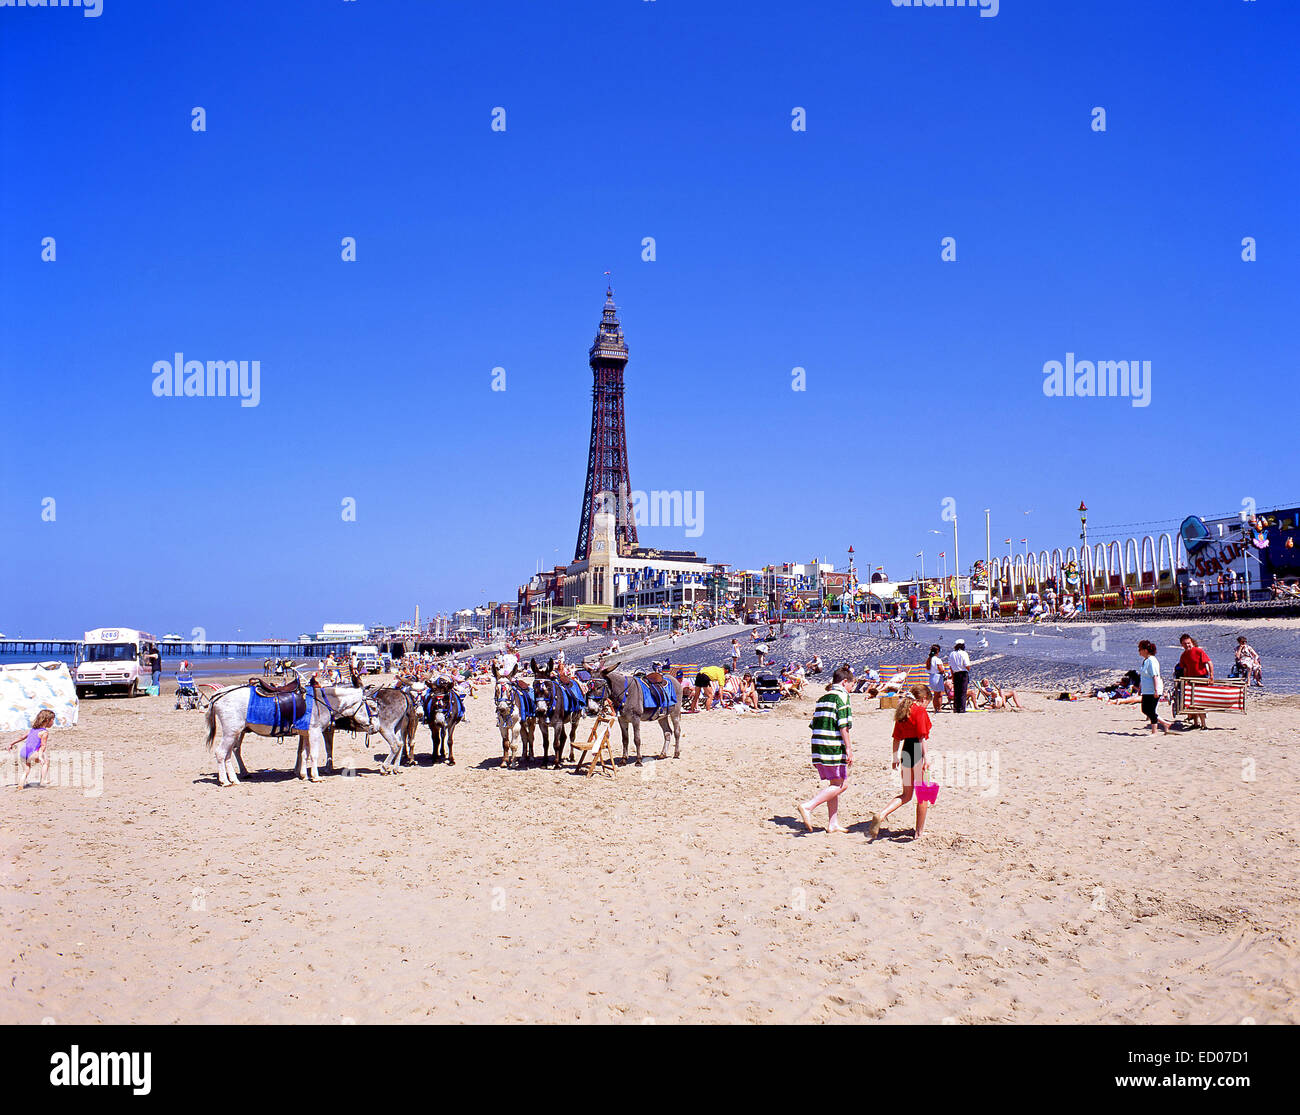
(114, 659)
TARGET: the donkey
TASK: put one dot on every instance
(559, 705)
(624, 691)
(390, 713)
(516, 717)
(443, 709)
(313, 725)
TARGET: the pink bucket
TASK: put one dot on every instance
(926, 791)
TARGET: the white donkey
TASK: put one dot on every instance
(229, 711)
(516, 718)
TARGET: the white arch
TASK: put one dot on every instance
(1167, 556)
(1147, 558)
(1004, 574)
(1130, 547)
(1113, 549)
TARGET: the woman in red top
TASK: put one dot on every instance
(911, 730)
(1195, 663)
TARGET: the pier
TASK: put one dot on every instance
(178, 648)
(45, 648)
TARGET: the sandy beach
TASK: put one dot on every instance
(1085, 872)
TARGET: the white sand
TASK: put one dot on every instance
(1112, 878)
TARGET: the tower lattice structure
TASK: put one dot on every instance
(607, 457)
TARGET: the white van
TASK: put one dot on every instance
(367, 659)
(114, 658)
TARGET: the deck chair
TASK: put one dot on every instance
(594, 752)
(1201, 695)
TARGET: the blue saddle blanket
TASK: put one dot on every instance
(457, 706)
(527, 705)
(655, 697)
(288, 713)
(571, 698)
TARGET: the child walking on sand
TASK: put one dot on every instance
(832, 749)
(34, 752)
(911, 731)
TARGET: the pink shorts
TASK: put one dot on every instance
(825, 773)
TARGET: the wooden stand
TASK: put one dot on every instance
(599, 753)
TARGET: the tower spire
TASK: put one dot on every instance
(607, 457)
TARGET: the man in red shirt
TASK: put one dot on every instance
(1195, 663)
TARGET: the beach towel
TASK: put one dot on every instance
(283, 714)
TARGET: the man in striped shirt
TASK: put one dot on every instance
(832, 748)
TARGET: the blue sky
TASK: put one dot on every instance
(476, 249)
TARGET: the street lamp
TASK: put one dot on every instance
(1084, 557)
(956, 562)
(988, 560)
(941, 554)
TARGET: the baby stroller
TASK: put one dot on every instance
(187, 696)
(768, 689)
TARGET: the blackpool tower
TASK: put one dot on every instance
(607, 457)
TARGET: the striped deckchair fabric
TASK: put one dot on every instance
(917, 674)
(1203, 695)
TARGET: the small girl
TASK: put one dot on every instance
(34, 752)
(911, 731)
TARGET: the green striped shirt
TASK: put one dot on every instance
(832, 713)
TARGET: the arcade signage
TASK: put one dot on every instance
(1217, 558)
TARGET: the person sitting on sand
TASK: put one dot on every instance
(35, 752)
(989, 696)
(832, 749)
(749, 693)
(911, 734)
(1121, 690)
(792, 681)
(1247, 663)
(868, 683)
(999, 697)
(814, 665)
